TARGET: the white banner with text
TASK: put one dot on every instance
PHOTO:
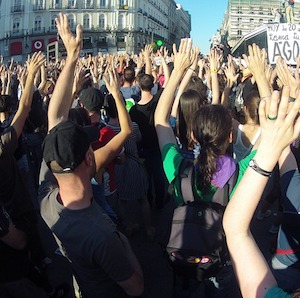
(283, 41)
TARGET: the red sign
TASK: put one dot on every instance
(52, 39)
(16, 48)
(37, 45)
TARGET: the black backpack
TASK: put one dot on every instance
(197, 245)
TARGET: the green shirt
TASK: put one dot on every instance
(276, 292)
(172, 159)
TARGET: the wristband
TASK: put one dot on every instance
(256, 168)
(267, 96)
(213, 70)
(191, 69)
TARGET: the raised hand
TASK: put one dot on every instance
(182, 57)
(80, 78)
(35, 62)
(287, 78)
(279, 121)
(230, 72)
(256, 61)
(215, 59)
(111, 81)
(147, 51)
(194, 58)
(73, 44)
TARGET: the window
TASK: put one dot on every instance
(102, 21)
(38, 24)
(121, 3)
(121, 20)
(86, 21)
(53, 24)
(88, 3)
(16, 25)
(71, 21)
(102, 3)
(72, 3)
(239, 32)
(38, 3)
(56, 3)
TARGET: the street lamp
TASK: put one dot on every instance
(152, 31)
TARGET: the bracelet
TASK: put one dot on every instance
(292, 99)
(256, 168)
(191, 69)
(213, 70)
(267, 96)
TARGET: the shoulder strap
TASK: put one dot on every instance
(221, 196)
(186, 175)
(256, 136)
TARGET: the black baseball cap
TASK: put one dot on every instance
(92, 99)
(67, 144)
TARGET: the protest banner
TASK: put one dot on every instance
(283, 41)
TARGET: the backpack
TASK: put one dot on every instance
(197, 245)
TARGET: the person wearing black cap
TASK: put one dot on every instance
(102, 260)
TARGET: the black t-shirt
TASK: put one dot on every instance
(37, 118)
(15, 198)
(143, 115)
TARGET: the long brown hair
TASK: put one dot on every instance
(212, 125)
(190, 101)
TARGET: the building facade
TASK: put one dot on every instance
(244, 16)
(109, 26)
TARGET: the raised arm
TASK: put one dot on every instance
(185, 81)
(33, 66)
(256, 62)
(43, 78)
(164, 65)
(61, 100)
(147, 57)
(231, 78)
(182, 61)
(215, 59)
(107, 153)
(279, 129)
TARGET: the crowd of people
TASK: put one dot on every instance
(82, 138)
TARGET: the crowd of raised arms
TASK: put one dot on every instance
(84, 138)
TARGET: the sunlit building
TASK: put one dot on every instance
(108, 25)
(244, 16)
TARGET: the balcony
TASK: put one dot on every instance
(17, 32)
(37, 31)
(57, 6)
(123, 7)
(17, 8)
(103, 7)
(38, 7)
(88, 6)
(75, 6)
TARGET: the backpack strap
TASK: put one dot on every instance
(222, 195)
(186, 174)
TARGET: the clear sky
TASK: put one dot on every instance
(207, 17)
